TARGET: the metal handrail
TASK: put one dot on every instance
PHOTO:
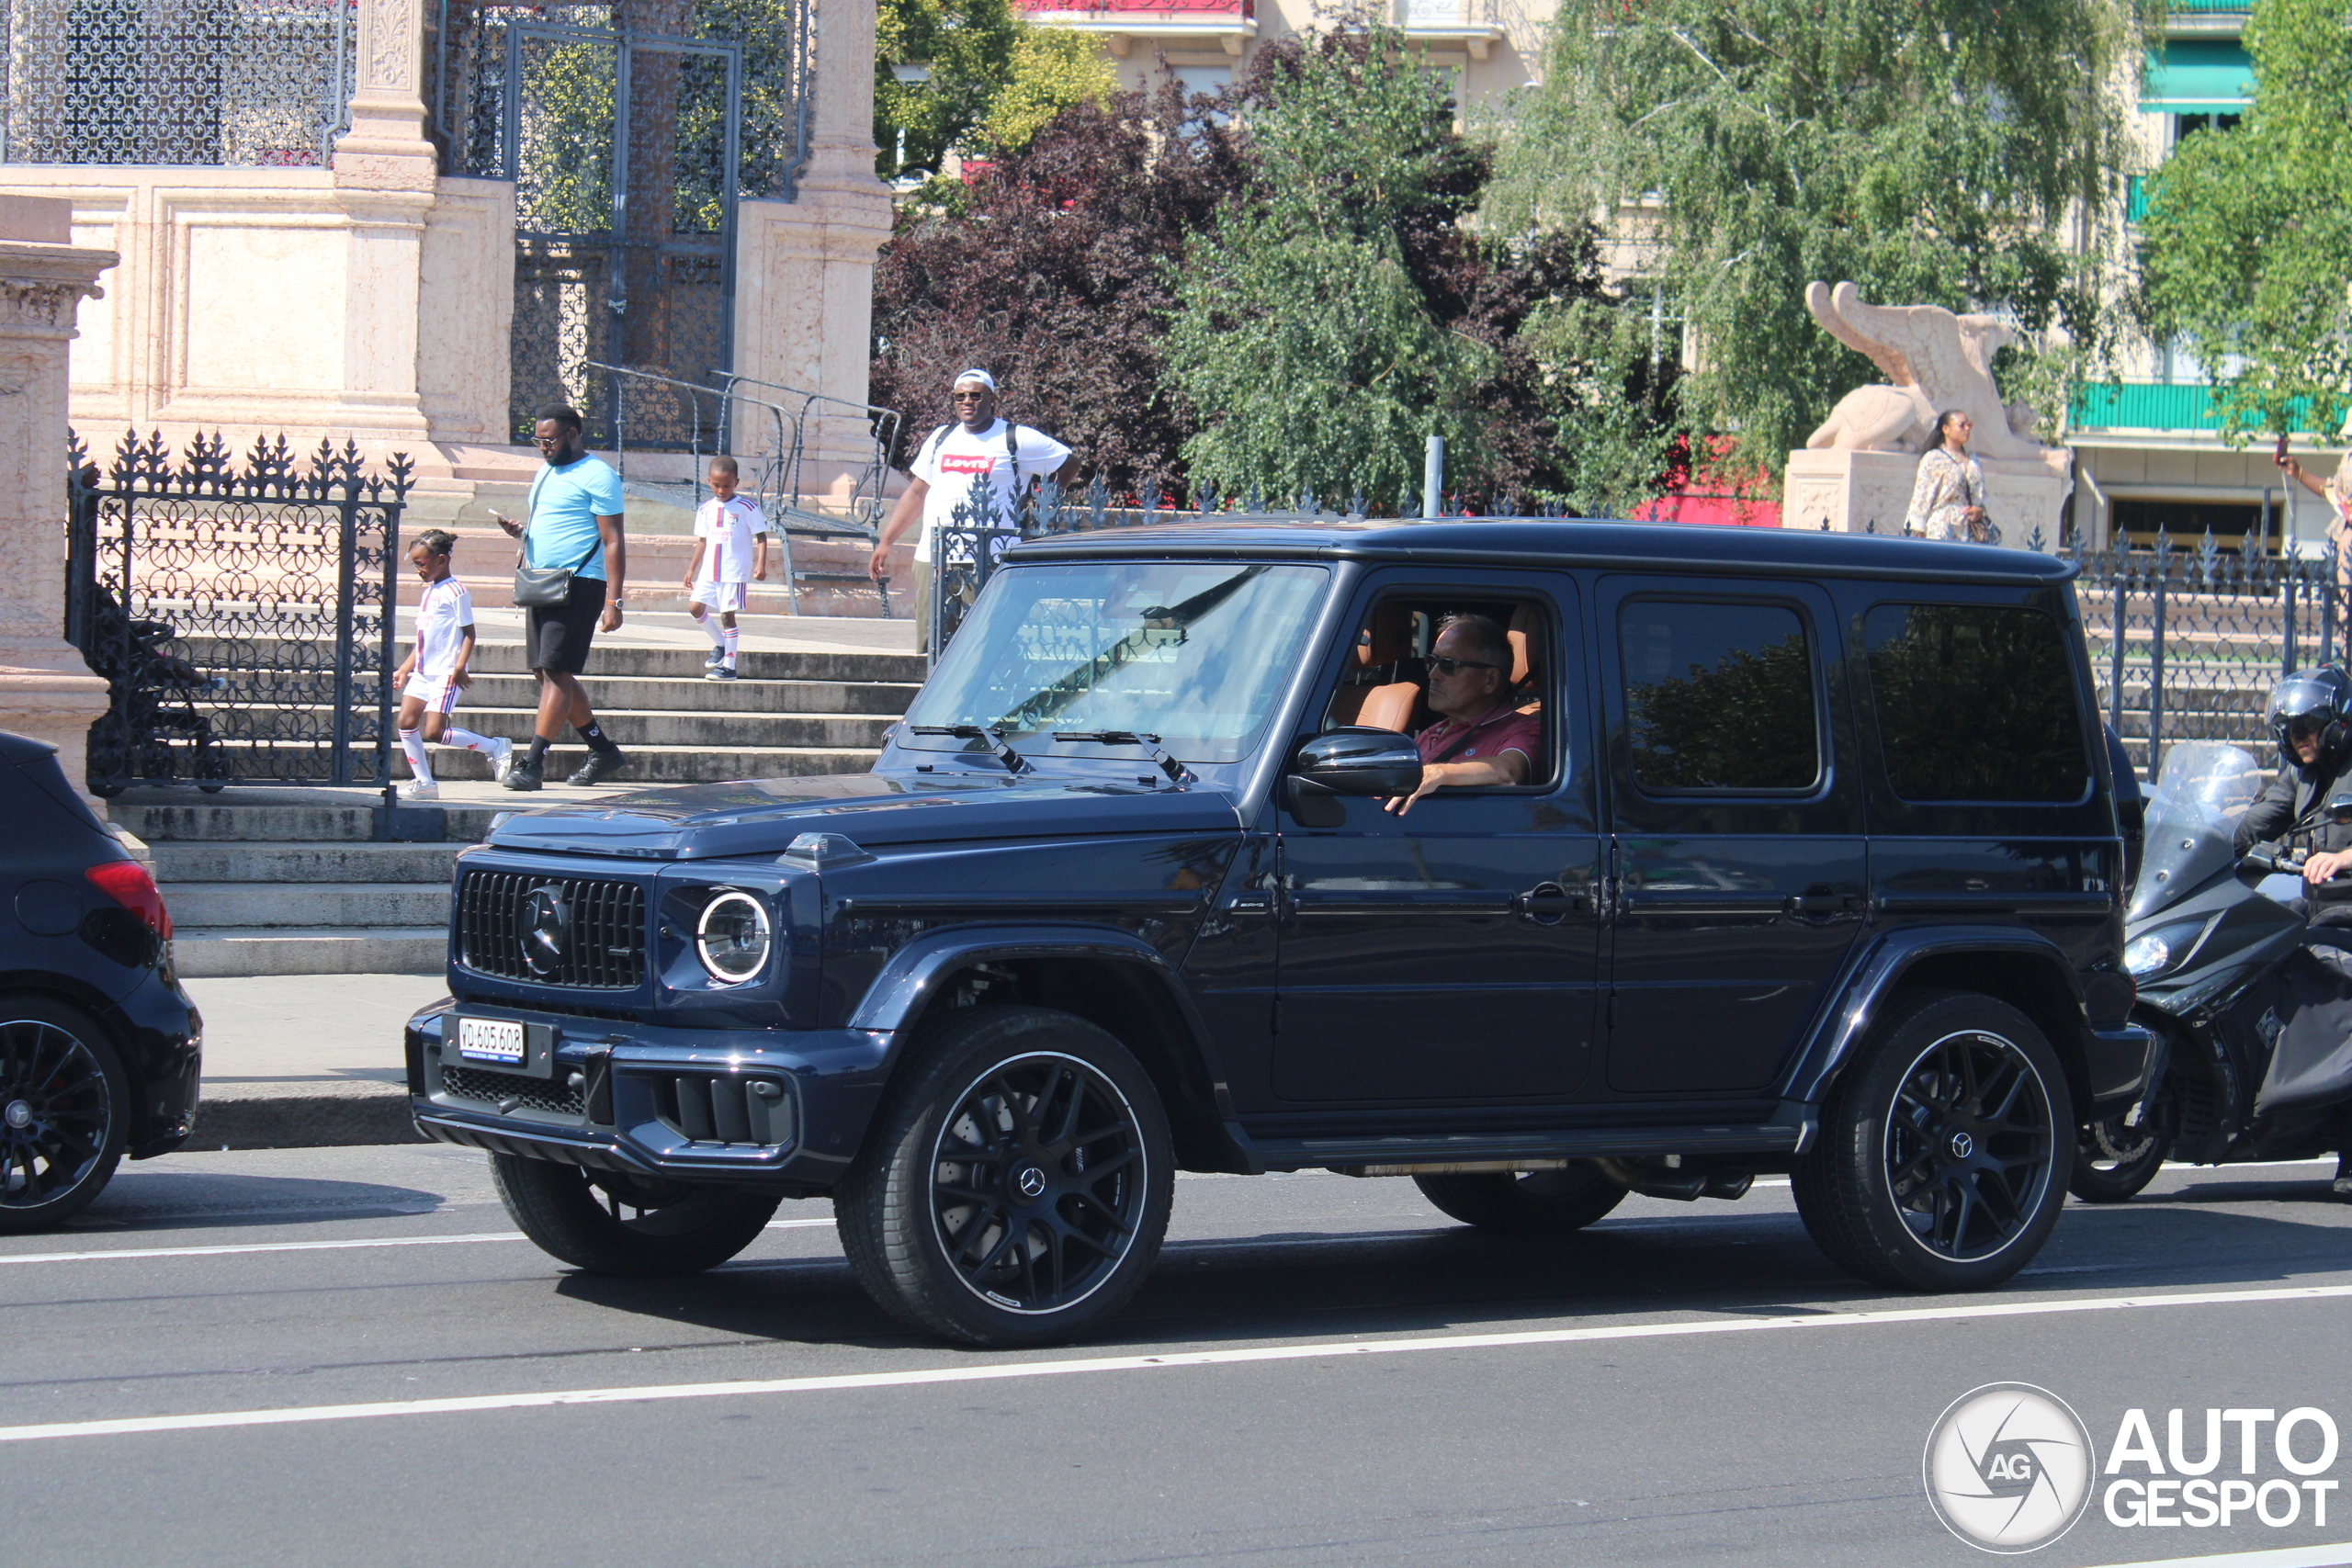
(885, 425)
(722, 426)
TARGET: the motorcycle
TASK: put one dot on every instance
(2251, 1002)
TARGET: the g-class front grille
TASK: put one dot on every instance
(500, 1089)
(552, 930)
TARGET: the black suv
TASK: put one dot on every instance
(1818, 872)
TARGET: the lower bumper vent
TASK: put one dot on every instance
(708, 1110)
(498, 1089)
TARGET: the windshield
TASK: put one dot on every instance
(2192, 819)
(1197, 654)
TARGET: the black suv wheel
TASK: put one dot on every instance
(1016, 1190)
(1533, 1202)
(609, 1222)
(64, 1112)
(1944, 1149)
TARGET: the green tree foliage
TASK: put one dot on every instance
(2249, 238)
(1745, 723)
(1302, 336)
(991, 80)
(1944, 151)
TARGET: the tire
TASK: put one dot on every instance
(2113, 1162)
(1942, 1164)
(1535, 1203)
(64, 1112)
(609, 1222)
(1016, 1186)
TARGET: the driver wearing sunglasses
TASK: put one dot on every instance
(1479, 739)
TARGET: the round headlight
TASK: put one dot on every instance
(733, 938)
(2146, 955)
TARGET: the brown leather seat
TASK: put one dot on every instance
(1387, 641)
(1526, 625)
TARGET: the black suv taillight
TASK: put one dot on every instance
(127, 883)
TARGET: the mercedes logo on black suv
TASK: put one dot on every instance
(547, 927)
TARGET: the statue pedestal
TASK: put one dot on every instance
(46, 690)
(1856, 492)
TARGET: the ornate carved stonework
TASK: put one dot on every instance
(42, 304)
(392, 37)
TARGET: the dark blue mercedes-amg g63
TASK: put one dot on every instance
(1786, 852)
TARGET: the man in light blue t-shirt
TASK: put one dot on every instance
(574, 521)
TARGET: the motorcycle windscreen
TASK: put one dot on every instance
(2311, 1061)
(2192, 820)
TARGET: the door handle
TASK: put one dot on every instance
(1825, 904)
(1548, 903)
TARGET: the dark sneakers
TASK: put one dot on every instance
(600, 765)
(524, 775)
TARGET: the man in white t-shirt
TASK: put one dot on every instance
(959, 463)
(723, 564)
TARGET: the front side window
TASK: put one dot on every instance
(1197, 654)
(1718, 698)
(1974, 701)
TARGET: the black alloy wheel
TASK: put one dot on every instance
(1526, 1202)
(64, 1112)
(611, 1222)
(1017, 1188)
(2113, 1162)
(1945, 1151)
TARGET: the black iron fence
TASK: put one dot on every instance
(243, 615)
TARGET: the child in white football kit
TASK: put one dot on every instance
(724, 526)
(435, 671)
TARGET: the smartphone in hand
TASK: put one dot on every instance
(2279, 455)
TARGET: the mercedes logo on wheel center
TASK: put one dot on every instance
(2009, 1467)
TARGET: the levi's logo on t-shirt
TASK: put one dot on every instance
(964, 463)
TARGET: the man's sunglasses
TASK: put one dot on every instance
(2305, 729)
(1455, 666)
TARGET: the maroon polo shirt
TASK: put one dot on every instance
(1504, 729)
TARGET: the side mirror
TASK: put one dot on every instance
(1360, 762)
(2340, 808)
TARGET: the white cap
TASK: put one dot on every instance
(982, 377)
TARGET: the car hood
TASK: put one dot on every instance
(763, 815)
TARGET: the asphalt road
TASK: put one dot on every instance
(1321, 1372)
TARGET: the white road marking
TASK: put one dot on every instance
(306, 1246)
(2335, 1556)
(999, 1370)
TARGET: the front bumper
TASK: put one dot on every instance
(779, 1110)
(2121, 1064)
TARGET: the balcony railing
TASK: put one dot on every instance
(2154, 405)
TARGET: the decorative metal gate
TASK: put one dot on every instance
(628, 142)
(242, 616)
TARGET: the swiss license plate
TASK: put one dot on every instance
(498, 1041)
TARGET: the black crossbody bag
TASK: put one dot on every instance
(540, 586)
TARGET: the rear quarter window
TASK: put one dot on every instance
(1974, 702)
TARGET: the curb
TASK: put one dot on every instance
(304, 1121)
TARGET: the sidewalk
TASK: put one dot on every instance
(303, 1061)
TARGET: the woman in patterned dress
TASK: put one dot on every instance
(1947, 501)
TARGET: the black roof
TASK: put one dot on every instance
(1548, 541)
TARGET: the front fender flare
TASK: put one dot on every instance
(911, 976)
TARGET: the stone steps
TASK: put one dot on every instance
(215, 953)
(264, 863)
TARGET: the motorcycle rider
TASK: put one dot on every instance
(2310, 715)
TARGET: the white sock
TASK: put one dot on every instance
(413, 748)
(727, 639)
(709, 621)
(452, 736)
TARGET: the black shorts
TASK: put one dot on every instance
(560, 634)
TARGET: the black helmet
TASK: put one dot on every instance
(2318, 699)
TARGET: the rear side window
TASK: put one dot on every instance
(1718, 697)
(1974, 701)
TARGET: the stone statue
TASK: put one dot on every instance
(1936, 361)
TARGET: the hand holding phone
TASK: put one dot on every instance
(513, 529)
(2279, 455)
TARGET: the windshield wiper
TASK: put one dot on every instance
(1014, 761)
(1178, 773)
